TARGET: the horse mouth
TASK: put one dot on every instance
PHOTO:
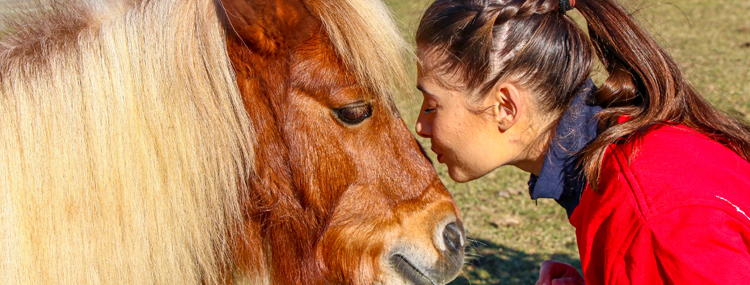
(409, 271)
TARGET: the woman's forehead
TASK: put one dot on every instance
(431, 78)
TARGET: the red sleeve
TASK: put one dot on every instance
(689, 245)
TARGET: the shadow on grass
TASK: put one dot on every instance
(489, 263)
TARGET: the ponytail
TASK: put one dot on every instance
(533, 42)
(646, 85)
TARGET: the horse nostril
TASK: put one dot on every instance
(453, 238)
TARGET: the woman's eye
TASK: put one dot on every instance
(354, 115)
(427, 111)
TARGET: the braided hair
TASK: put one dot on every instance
(534, 43)
(486, 42)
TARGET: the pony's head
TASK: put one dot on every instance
(342, 192)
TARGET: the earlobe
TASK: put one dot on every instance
(504, 117)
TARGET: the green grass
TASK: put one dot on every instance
(512, 234)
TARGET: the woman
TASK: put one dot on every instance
(655, 180)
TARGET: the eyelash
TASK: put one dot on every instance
(353, 115)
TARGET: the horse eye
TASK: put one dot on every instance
(354, 115)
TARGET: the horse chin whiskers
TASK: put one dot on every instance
(410, 272)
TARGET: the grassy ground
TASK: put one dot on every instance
(512, 235)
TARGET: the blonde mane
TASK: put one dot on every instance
(368, 40)
(124, 144)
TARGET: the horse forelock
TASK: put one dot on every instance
(124, 144)
(366, 38)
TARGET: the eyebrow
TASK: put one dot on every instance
(421, 88)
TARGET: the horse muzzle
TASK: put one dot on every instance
(430, 249)
(416, 267)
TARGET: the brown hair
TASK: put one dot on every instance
(544, 50)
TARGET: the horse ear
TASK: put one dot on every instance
(267, 26)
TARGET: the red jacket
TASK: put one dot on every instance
(675, 211)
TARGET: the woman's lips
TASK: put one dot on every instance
(439, 156)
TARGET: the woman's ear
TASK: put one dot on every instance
(506, 101)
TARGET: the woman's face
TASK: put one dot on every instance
(474, 138)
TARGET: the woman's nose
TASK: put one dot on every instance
(423, 127)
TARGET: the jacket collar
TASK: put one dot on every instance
(561, 178)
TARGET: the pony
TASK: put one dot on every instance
(214, 142)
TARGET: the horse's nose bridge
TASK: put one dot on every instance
(434, 206)
(410, 173)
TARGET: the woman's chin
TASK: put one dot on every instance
(459, 175)
(466, 174)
